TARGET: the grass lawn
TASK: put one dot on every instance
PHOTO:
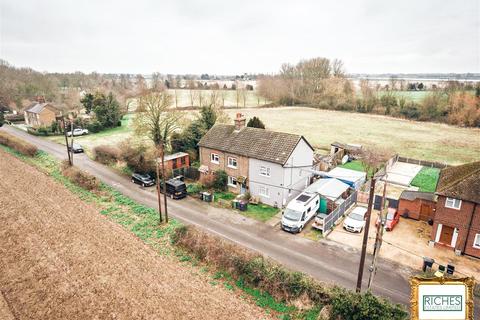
(260, 212)
(353, 165)
(426, 179)
(414, 139)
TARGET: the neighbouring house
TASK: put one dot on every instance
(41, 114)
(417, 205)
(353, 178)
(273, 166)
(176, 161)
(333, 193)
(457, 216)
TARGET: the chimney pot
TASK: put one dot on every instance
(239, 122)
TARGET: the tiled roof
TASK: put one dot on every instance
(412, 195)
(461, 182)
(254, 143)
(38, 107)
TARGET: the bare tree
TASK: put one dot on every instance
(158, 121)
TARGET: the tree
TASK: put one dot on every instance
(255, 122)
(107, 110)
(87, 102)
(2, 118)
(158, 121)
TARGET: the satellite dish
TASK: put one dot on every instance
(345, 159)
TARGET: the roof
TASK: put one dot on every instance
(346, 146)
(460, 182)
(175, 156)
(254, 143)
(329, 188)
(413, 195)
(346, 174)
(38, 107)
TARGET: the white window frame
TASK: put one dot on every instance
(230, 165)
(264, 192)
(477, 238)
(265, 171)
(213, 156)
(450, 203)
(232, 182)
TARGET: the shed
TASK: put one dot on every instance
(417, 205)
(333, 191)
(353, 178)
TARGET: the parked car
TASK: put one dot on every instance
(176, 188)
(77, 132)
(393, 217)
(300, 211)
(76, 148)
(355, 221)
(143, 179)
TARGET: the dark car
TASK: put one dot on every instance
(143, 179)
(76, 148)
(176, 188)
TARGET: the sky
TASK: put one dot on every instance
(236, 37)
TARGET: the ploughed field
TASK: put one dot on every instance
(61, 259)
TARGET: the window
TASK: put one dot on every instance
(232, 182)
(263, 191)
(214, 158)
(476, 241)
(265, 171)
(453, 203)
(232, 162)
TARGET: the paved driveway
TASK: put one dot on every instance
(402, 173)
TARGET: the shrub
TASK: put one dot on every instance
(106, 154)
(220, 181)
(138, 157)
(17, 144)
(43, 131)
(79, 177)
(94, 127)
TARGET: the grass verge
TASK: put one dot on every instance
(426, 180)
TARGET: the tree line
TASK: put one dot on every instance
(322, 83)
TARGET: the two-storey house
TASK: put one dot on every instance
(273, 166)
(457, 217)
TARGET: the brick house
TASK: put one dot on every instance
(41, 114)
(417, 205)
(272, 166)
(457, 217)
(176, 161)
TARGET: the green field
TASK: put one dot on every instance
(228, 97)
(426, 179)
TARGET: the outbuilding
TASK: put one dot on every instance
(332, 192)
(417, 205)
(355, 179)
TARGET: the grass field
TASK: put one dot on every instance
(230, 96)
(426, 179)
(420, 140)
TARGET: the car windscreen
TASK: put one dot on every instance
(390, 215)
(293, 215)
(356, 216)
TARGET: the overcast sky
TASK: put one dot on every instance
(231, 37)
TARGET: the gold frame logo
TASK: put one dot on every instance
(446, 302)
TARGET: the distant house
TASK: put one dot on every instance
(273, 166)
(41, 113)
(457, 217)
(417, 205)
(176, 161)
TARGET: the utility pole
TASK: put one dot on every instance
(71, 146)
(379, 236)
(159, 196)
(365, 234)
(66, 140)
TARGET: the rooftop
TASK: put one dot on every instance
(461, 182)
(38, 107)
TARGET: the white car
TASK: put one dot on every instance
(77, 132)
(355, 221)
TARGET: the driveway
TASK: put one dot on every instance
(325, 261)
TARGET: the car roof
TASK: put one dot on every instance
(175, 182)
(360, 210)
(76, 145)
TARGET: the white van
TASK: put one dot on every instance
(299, 211)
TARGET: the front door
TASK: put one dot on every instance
(446, 235)
(425, 212)
(242, 188)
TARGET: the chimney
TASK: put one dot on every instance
(239, 122)
(40, 99)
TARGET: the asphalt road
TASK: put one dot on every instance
(325, 260)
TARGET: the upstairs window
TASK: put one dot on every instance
(476, 241)
(232, 162)
(214, 158)
(453, 203)
(265, 171)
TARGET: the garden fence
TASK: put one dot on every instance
(332, 218)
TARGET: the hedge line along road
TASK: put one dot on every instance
(325, 261)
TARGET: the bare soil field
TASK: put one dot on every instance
(414, 139)
(61, 259)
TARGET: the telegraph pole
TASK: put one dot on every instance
(365, 234)
(66, 141)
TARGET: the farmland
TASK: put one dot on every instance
(184, 97)
(61, 259)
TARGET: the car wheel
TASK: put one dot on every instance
(361, 230)
(133, 181)
(143, 185)
(171, 196)
(300, 230)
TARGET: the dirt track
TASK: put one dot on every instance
(60, 259)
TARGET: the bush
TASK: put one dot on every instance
(79, 177)
(43, 131)
(17, 144)
(139, 158)
(106, 154)
(220, 181)
(94, 127)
